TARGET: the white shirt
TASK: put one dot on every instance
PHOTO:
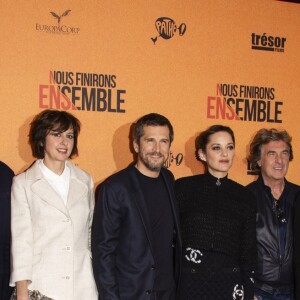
(60, 183)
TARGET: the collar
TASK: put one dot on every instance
(65, 175)
(34, 172)
(267, 189)
(217, 181)
(260, 180)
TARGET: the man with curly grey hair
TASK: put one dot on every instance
(270, 154)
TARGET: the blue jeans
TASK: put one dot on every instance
(261, 295)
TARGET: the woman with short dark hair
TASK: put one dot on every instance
(52, 208)
(217, 217)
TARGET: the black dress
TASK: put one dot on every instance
(219, 238)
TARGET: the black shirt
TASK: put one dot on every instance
(162, 225)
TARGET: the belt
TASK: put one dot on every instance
(274, 291)
(198, 269)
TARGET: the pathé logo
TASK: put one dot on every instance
(174, 159)
(167, 28)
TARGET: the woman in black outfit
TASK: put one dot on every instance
(217, 218)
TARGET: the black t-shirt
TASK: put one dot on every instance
(162, 225)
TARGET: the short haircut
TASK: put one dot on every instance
(203, 138)
(49, 120)
(152, 119)
(265, 136)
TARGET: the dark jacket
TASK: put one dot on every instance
(297, 248)
(221, 221)
(123, 263)
(273, 271)
(6, 175)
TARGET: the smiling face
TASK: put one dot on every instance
(153, 149)
(58, 148)
(219, 153)
(274, 161)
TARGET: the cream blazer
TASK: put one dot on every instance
(51, 241)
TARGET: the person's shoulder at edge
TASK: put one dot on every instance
(5, 168)
(6, 176)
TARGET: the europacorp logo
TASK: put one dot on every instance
(268, 42)
(59, 27)
(167, 28)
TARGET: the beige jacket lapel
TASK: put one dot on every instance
(78, 187)
(43, 190)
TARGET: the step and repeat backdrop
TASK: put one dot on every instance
(198, 63)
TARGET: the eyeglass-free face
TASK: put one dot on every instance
(219, 154)
(274, 160)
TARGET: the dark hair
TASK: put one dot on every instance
(203, 138)
(265, 136)
(152, 119)
(49, 120)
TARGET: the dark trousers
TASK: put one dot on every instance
(262, 295)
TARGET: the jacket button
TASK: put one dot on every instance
(148, 292)
(193, 271)
(152, 267)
